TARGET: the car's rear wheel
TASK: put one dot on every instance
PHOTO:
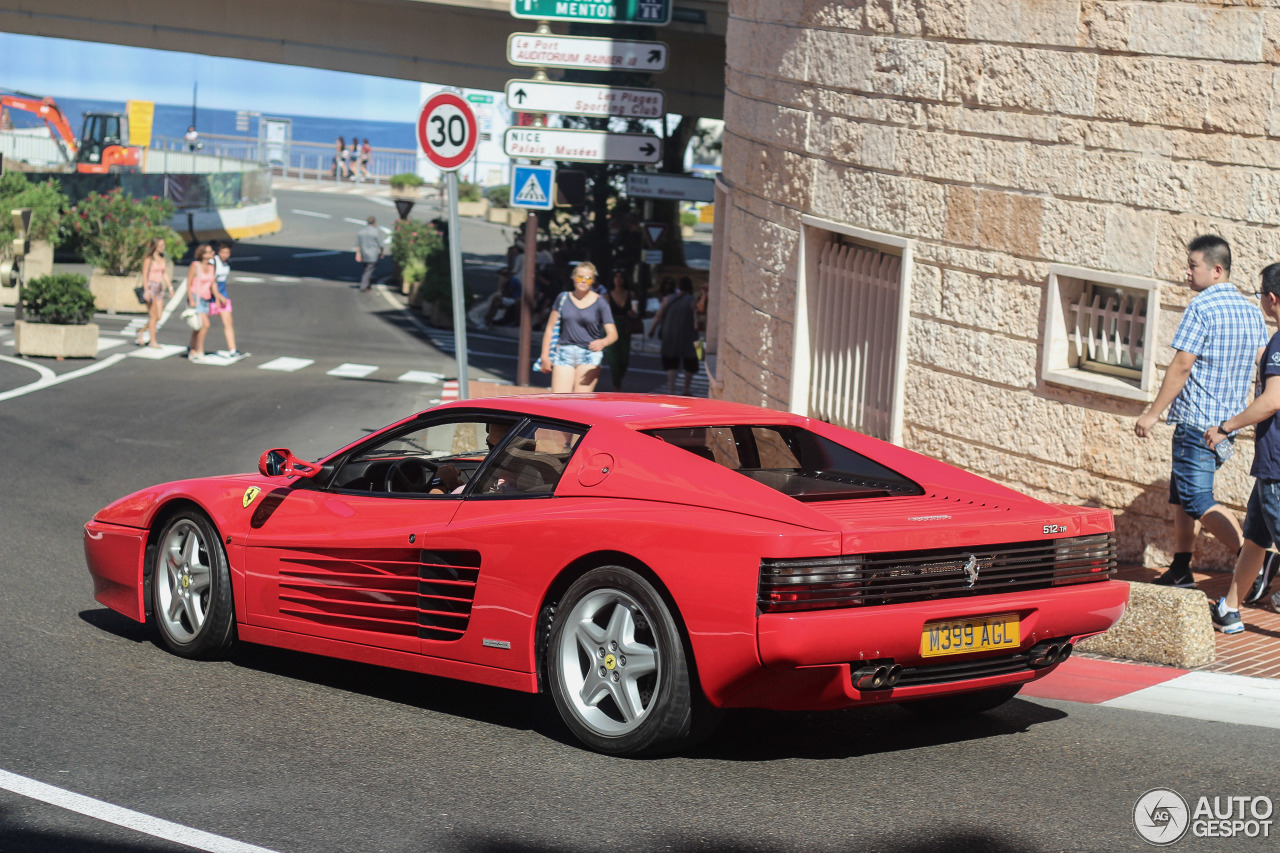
(191, 588)
(617, 669)
(963, 704)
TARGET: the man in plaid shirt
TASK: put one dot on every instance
(1217, 345)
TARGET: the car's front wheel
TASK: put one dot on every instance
(191, 588)
(616, 666)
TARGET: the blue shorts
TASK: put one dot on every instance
(1194, 464)
(1262, 518)
(572, 355)
(202, 305)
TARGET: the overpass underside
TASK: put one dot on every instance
(448, 42)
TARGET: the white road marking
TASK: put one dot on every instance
(355, 221)
(157, 353)
(247, 279)
(127, 818)
(285, 278)
(352, 371)
(286, 364)
(49, 378)
(423, 376)
(1217, 696)
(385, 202)
(108, 343)
(323, 254)
(312, 213)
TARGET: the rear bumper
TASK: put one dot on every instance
(808, 658)
(115, 557)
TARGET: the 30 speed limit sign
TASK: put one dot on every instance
(447, 130)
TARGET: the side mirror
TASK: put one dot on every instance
(280, 461)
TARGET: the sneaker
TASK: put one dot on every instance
(1224, 620)
(1181, 580)
(195, 358)
(1262, 585)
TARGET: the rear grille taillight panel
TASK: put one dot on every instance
(866, 580)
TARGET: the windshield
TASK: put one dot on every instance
(792, 460)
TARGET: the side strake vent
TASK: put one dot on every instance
(446, 590)
(402, 592)
(862, 580)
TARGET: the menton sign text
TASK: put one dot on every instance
(653, 12)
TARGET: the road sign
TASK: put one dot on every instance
(676, 187)
(651, 256)
(447, 130)
(596, 54)
(576, 99)
(655, 13)
(532, 186)
(654, 231)
(582, 146)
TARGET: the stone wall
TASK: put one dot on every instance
(1001, 136)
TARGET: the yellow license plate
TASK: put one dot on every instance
(976, 634)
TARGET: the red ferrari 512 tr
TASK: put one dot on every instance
(645, 560)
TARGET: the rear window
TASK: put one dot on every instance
(792, 460)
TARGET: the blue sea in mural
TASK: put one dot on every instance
(172, 120)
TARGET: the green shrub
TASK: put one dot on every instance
(688, 219)
(499, 196)
(406, 179)
(114, 229)
(468, 191)
(47, 201)
(62, 298)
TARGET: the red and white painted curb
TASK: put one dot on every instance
(1217, 696)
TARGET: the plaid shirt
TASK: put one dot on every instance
(1223, 330)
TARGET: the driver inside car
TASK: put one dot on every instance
(450, 477)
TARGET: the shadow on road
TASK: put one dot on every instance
(113, 623)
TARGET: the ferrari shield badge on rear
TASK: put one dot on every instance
(249, 495)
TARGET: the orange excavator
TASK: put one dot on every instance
(104, 139)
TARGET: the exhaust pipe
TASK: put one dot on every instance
(1048, 654)
(878, 677)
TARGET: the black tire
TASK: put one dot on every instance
(617, 670)
(190, 588)
(963, 704)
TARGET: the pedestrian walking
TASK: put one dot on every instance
(156, 286)
(618, 354)
(1262, 517)
(586, 328)
(674, 323)
(1216, 345)
(201, 293)
(222, 308)
(368, 251)
(193, 139)
(339, 160)
(366, 152)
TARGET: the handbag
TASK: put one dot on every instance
(192, 318)
(141, 293)
(555, 335)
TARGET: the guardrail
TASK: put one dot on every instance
(303, 161)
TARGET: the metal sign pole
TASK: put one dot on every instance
(459, 306)
(526, 296)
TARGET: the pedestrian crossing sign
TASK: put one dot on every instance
(533, 187)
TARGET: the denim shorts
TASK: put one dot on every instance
(1262, 518)
(202, 305)
(572, 355)
(1194, 464)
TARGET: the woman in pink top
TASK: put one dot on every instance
(156, 283)
(200, 293)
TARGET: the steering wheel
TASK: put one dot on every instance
(409, 474)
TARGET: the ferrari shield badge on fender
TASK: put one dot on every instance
(249, 494)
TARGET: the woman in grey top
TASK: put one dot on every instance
(586, 328)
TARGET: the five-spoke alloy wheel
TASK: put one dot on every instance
(616, 666)
(191, 588)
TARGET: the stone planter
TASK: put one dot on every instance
(114, 293)
(474, 208)
(517, 217)
(55, 341)
(498, 215)
(413, 193)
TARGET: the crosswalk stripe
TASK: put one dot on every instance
(352, 371)
(286, 364)
(423, 376)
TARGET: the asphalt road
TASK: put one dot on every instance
(297, 753)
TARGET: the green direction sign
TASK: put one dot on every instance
(656, 13)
